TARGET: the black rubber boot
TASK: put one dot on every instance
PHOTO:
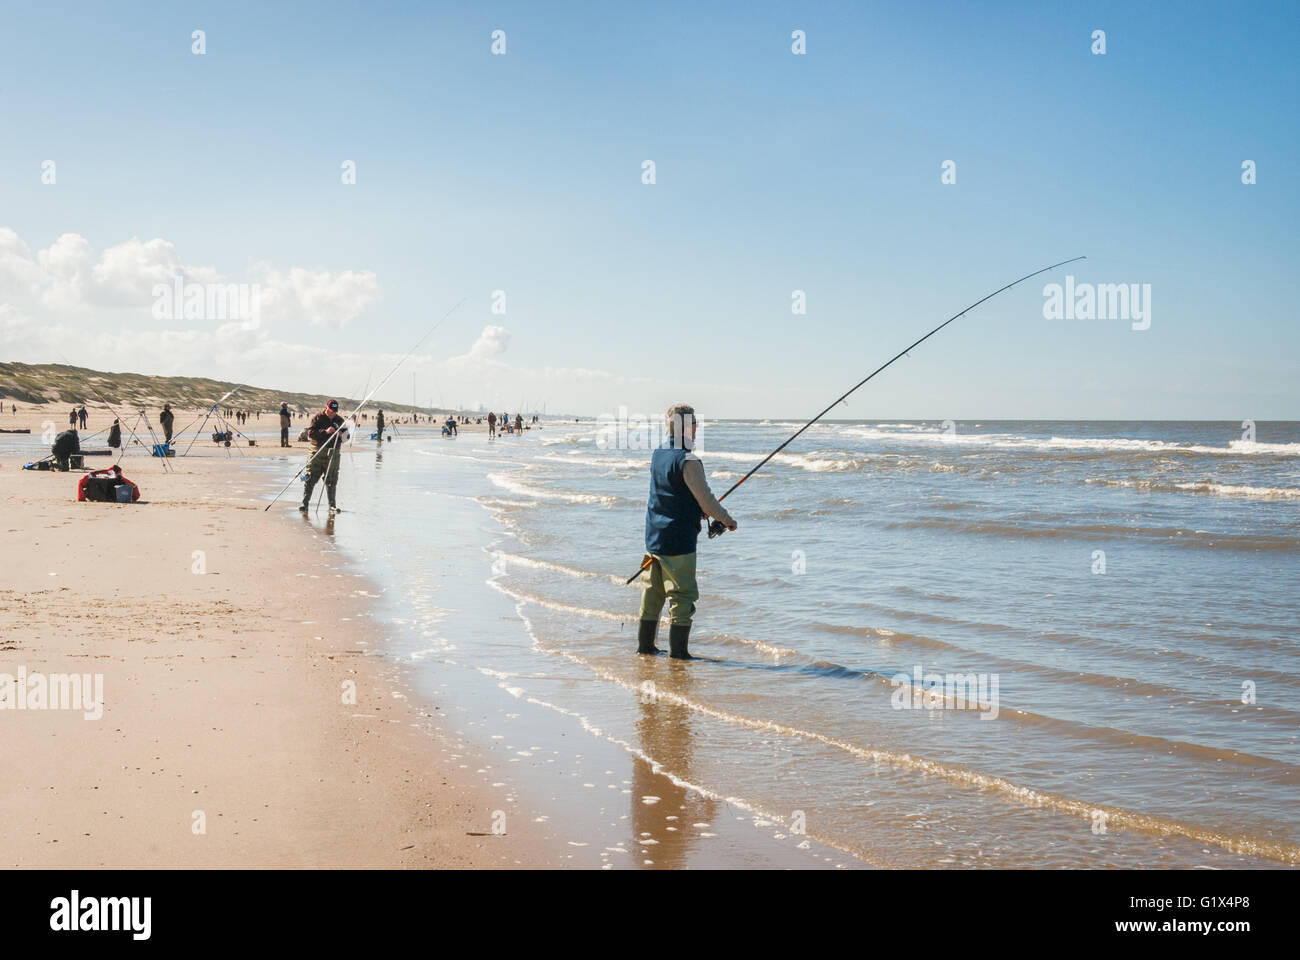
(645, 638)
(678, 634)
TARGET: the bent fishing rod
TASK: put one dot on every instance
(716, 529)
(334, 437)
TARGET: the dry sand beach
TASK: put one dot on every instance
(222, 691)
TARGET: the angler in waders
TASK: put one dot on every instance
(679, 499)
(326, 433)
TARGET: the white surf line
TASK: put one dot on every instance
(1117, 816)
(747, 806)
(1203, 487)
(1143, 823)
(525, 490)
(520, 603)
(559, 607)
(522, 561)
(731, 801)
(464, 456)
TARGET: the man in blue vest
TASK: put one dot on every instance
(679, 499)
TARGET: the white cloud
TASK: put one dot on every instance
(319, 297)
(68, 277)
(18, 271)
(127, 273)
(14, 324)
(62, 280)
(492, 342)
(63, 291)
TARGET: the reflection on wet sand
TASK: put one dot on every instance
(664, 733)
(328, 529)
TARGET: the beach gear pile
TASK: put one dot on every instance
(107, 486)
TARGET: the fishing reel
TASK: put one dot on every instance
(716, 528)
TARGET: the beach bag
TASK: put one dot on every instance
(107, 486)
(97, 487)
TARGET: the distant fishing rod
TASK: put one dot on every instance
(131, 430)
(338, 433)
(716, 529)
(91, 436)
(207, 416)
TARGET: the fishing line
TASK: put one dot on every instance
(716, 529)
(333, 438)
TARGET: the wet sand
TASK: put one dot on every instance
(227, 640)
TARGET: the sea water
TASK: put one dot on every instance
(1001, 644)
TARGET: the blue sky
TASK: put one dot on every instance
(774, 172)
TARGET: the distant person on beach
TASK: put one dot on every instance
(72, 419)
(326, 433)
(81, 415)
(451, 426)
(115, 434)
(492, 426)
(379, 425)
(286, 421)
(65, 445)
(167, 418)
(519, 422)
(679, 499)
